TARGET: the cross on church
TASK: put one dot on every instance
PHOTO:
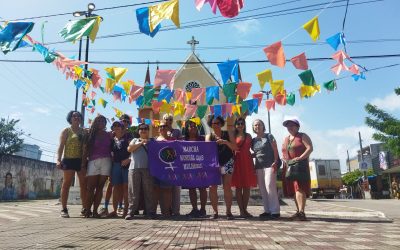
(193, 43)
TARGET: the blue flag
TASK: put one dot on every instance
(211, 93)
(165, 94)
(252, 105)
(142, 16)
(11, 36)
(228, 69)
(335, 40)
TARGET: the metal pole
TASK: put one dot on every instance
(86, 68)
(269, 120)
(359, 137)
(348, 161)
(77, 90)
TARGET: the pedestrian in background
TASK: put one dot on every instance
(97, 150)
(226, 146)
(296, 149)
(244, 176)
(69, 159)
(267, 163)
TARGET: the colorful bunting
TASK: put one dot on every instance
(116, 73)
(211, 93)
(275, 54)
(156, 105)
(277, 87)
(166, 107)
(110, 83)
(127, 86)
(165, 77)
(312, 27)
(307, 78)
(270, 104)
(354, 69)
(331, 85)
(11, 36)
(217, 110)
(165, 94)
(259, 97)
(263, 77)
(166, 10)
(228, 69)
(290, 99)
(358, 77)
(190, 110)
(335, 40)
(136, 91)
(281, 98)
(230, 8)
(96, 78)
(252, 105)
(229, 90)
(300, 61)
(243, 89)
(180, 96)
(200, 3)
(308, 91)
(76, 29)
(201, 111)
(198, 94)
(118, 113)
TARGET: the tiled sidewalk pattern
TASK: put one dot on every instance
(36, 225)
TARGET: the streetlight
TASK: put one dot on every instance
(91, 7)
(269, 122)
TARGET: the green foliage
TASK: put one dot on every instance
(9, 137)
(387, 126)
(351, 177)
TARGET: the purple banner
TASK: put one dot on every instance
(189, 164)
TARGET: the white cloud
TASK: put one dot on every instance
(328, 144)
(41, 110)
(390, 102)
(247, 26)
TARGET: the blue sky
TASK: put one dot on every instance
(39, 95)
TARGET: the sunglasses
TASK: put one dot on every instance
(240, 124)
(169, 119)
(163, 126)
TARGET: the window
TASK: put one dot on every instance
(190, 85)
(321, 170)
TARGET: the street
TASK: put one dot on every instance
(332, 224)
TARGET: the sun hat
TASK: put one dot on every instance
(117, 123)
(285, 123)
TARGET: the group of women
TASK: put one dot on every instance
(245, 162)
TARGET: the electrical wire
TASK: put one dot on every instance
(27, 135)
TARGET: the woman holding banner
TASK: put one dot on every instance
(192, 134)
(162, 190)
(243, 177)
(226, 146)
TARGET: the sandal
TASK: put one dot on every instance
(113, 214)
(229, 216)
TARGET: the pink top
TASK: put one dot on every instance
(293, 148)
(101, 147)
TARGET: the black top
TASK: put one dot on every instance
(224, 152)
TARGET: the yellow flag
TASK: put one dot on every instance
(127, 86)
(236, 109)
(156, 123)
(78, 71)
(195, 120)
(95, 29)
(167, 10)
(263, 77)
(277, 87)
(116, 73)
(309, 91)
(188, 96)
(165, 107)
(179, 109)
(110, 83)
(118, 113)
(312, 27)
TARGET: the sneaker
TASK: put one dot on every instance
(265, 215)
(103, 212)
(120, 210)
(64, 213)
(229, 216)
(294, 216)
(302, 216)
(83, 212)
(202, 213)
(193, 214)
(215, 216)
(129, 217)
(247, 215)
(136, 212)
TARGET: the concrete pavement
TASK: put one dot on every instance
(36, 225)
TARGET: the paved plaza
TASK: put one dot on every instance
(37, 225)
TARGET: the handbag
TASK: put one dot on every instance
(279, 161)
(297, 171)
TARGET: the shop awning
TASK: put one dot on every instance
(392, 170)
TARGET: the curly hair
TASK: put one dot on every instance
(212, 117)
(70, 113)
(93, 131)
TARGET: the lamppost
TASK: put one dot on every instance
(87, 13)
(269, 122)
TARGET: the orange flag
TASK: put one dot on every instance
(300, 61)
(270, 103)
(259, 97)
(243, 89)
(275, 54)
(281, 98)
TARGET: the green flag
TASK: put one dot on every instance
(148, 94)
(290, 99)
(331, 85)
(229, 90)
(201, 111)
(76, 29)
(245, 107)
(307, 78)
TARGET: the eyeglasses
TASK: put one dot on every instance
(240, 124)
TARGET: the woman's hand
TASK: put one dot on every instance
(59, 164)
(125, 162)
(273, 166)
(221, 141)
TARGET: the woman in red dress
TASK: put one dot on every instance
(297, 147)
(243, 177)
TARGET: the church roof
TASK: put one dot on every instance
(194, 58)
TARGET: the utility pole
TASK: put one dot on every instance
(348, 161)
(359, 138)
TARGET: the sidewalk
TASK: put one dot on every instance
(329, 227)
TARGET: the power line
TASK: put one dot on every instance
(26, 135)
(205, 62)
(238, 19)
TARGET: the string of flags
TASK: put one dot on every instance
(178, 102)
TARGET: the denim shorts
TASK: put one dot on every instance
(119, 175)
(101, 166)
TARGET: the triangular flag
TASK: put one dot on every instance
(165, 77)
(118, 113)
(307, 77)
(263, 77)
(127, 86)
(179, 109)
(243, 89)
(155, 105)
(335, 40)
(300, 61)
(281, 98)
(229, 90)
(76, 29)
(96, 78)
(277, 87)
(230, 8)
(198, 94)
(180, 95)
(102, 102)
(337, 68)
(201, 110)
(211, 93)
(270, 104)
(275, 54)
(166, 10)
(11, 36)
(259, 97)
(200, 3)
(165, 108)
(165, 94)
(290, 99)
(354, 69)
(142, 16)
(331, 85)
(110, 83)
(116, 73)
(136, 91)
(340, 56)
(228, 69)
(190, 110)
(227, 109)
(312, 27)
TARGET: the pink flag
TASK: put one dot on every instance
(200, 3)
(96, 78)
(259, 97)
(340, 56)
(354, 69)
(93, 95)
(275, 54)
(280, 98)
(190, 110)
(180, 96)
(117, 95)
(243, 89)
(300, 61)
(227, 109)
(155, 105)
(165, 77)
(136, 91)
(92, 110)
(198, 94)
(270, 103)
(230, 8)
(337, 68)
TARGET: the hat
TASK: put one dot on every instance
(285, 123)
(117, 123)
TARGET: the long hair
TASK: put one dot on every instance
(240, 119)
(93, 131)
(186, 132)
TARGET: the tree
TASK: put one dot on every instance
(10, 141)
(387, 126)
(351, 177)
